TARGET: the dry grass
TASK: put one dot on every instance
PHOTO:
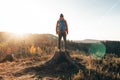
(106, 68)
(7, 69)
(96, 69)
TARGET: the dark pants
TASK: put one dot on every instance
(60, 35)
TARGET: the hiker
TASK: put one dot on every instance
(61, 30)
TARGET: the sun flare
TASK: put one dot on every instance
(18, 33)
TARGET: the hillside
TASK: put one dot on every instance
(23, 58)
(48, 43)
(7, 36)
(112, 47)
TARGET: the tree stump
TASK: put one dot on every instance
(60, 65)
(61, 60)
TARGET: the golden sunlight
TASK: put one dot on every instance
(18, 33)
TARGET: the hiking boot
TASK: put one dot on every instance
(59, 50)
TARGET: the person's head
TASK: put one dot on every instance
(61, 15)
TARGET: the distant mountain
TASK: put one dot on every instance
(88, 41)
(91, 41)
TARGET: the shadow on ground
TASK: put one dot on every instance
(59, 66)
(62, 67)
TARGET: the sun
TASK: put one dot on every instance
(18, 33)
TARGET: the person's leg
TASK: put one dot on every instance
(64, 37)
(59, 40)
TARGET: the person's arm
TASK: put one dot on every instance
(66, 26)
(57, 28)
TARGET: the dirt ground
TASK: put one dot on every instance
(34, 69)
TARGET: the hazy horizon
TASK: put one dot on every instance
(87, 19)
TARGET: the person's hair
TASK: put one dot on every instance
(61, 15)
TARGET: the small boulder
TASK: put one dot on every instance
(9, 57)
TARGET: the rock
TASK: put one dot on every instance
(9, 57)
(1, 78)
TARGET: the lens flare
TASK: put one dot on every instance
(98, 50)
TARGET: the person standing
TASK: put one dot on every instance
(61, 30)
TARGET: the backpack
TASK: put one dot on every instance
(61, 25)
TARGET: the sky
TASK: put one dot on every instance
(87, 19)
